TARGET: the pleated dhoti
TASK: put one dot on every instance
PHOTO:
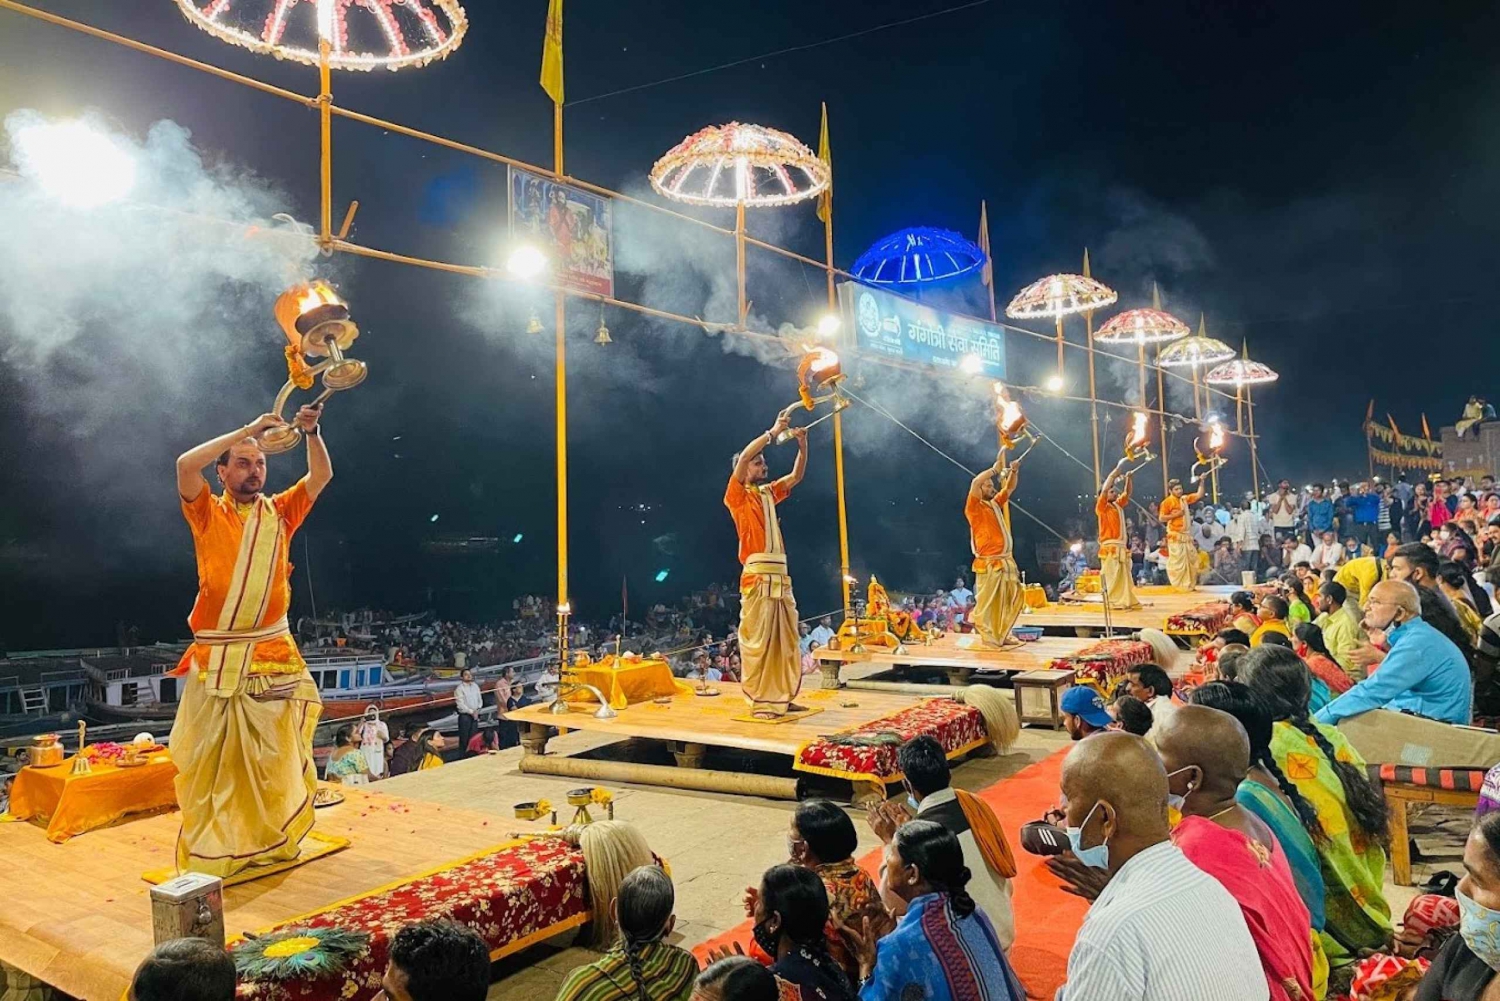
(1182, 561)
(998, 598)
(246, 775)
(770, 660)
(1115, 575)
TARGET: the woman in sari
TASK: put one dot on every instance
(823, 839)
(1310, 647)
(943, 948)
(347, 763)
(1349, 810)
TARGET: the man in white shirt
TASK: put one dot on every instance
(1328, 553)
(1283, 506)
(1294, 552)
(823, 632)
(1160, 928)
(468, 700)
(1150, 684)
(960, 594)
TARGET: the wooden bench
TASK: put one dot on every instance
(1405, 785)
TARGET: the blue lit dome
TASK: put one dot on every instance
(918, 255)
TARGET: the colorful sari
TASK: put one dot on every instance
(1295, 843)
(934, 955)
(1356, 915)
(851, 895)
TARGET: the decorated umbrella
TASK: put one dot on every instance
(383, 34)
(1057, 296)
(1241, 373)
(1142, 326)
(740, 164)
(916, 256)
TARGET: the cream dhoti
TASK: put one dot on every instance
(770, 661)
(1114, 574)
(998, 598)
(1182, 561)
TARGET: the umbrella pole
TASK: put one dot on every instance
(1059, 346)
(1161, 404)
(1088, 321)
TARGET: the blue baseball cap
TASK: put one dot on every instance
(1085, 703)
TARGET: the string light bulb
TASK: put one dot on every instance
(1054, 383)
(526, 262)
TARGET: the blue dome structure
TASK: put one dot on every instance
(916, 256)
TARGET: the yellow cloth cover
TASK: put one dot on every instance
(1182, 561)
(626, 682)
(72, 804)
(246, 774)
(998, 599)
(1114, 569)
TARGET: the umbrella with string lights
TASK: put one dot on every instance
(1057, 296)
(740, 164)
(361, 34)
(1194, 351)
(1142, 326)
(1240, 372)
(916, 256)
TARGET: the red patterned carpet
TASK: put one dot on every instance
(1047, 919)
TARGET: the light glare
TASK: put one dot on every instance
(1054, 384)
(74, 163)
(971, 364)
(526, 261)
(828, 325)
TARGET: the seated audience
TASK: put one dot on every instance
(943, 946)
(985, 848)
(1207, 756)
(1340, 624)
(1298, 604)
(823, 839)
(186, 969)
(1150, 684)
(1133, 715)
(791, 914)
(437, 961)
(1359, 575)
(1423, 672)
(1329, 773)
(640, 966)
(1454, 583)
(1319, 660)
(1418, 566)
(737, 978)
(1242, 612)
(1272, 620)
(347, 763)
(1266, 793)
(1159, 927)
(1084, 713)
(1465, 968)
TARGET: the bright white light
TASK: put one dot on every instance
(74, 163)
(971, 364)
(828, 325)
(1076, 547)
(1054, 384)
(526, 261)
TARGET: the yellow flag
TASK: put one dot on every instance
(552, 63)
(987, 275)
(825, 200)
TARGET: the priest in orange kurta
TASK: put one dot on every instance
(1114, 553)
(1182, 553)
(770, 661)
(242, 740)
(998, 597)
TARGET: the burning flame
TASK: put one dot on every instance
(1011, 417)
(1137, 437)
(319, 293)
(1215, 436)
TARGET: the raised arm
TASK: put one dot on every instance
(758, 445)
(984, 474)
(1113, 475)
(319, 466)
(799, 467)
(190, 464)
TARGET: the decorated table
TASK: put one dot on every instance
(1200, 620)
(1101, 664)
(513, 895)
(867, 753)
(625, 681)
(72, 804)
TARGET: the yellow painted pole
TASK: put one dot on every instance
(1254, 461)
(560, 326)
(1161, 404)
(838, 419)
(1059, 346)
(1088, 320)
(739, 260)
(325, 121)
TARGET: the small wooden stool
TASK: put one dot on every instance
(1038, 694)
(1398, 795)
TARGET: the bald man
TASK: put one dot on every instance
(1207, 755)
(1160, 928)
(1423, 673)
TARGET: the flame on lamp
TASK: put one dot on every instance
(1136, 440)
(1215, 437)
(318, 293)
(1011, 417)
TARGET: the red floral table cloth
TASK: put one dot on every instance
(1208, 619)
(513, 896)
(1105, 661)
(868, 752)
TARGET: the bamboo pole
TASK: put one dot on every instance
(1088, 319)
(696, 779)
(1254, 460)
(838, 417)
(325, 174)
(560, 326)
(1060, 343)
(739, 262)
(1161, 426)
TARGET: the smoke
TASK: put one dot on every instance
(139, 326)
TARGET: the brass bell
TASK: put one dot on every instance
(534, 324)
(602, 337)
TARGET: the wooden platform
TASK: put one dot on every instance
(78, 915)
(1087, 618)
(959, 655)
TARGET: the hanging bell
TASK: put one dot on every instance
(602, 337)
(534, 324)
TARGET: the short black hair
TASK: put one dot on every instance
(442, 960)
(1302, 564)
(223, 459)
(1276, 639)
(1242, 599)
(1276, 603)
(1234, 636)
(827, 829)
(1134, 715)
(738, 978)
(1334, 592)
(1419, 556)
(184, 969)
(1153, 677)
(924, 764)
(799, 896)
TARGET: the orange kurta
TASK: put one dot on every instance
(987, 536)
(1111, 517)
(217, 527)
(749, 519)
(1175, 509)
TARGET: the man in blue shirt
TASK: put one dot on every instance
(1319, 509)
(1364, 505)
(1423, 673)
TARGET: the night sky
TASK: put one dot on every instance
(1318, 179)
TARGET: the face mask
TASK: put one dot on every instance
(765, 938)
(1096, 857)
(911, 801)
(1174, 801)
(793, 848)
(1480, 928)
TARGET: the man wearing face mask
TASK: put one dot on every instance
(1207, 755)
(1160, 928)
(1465, 968)
(1424, 672)
(986, 850)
